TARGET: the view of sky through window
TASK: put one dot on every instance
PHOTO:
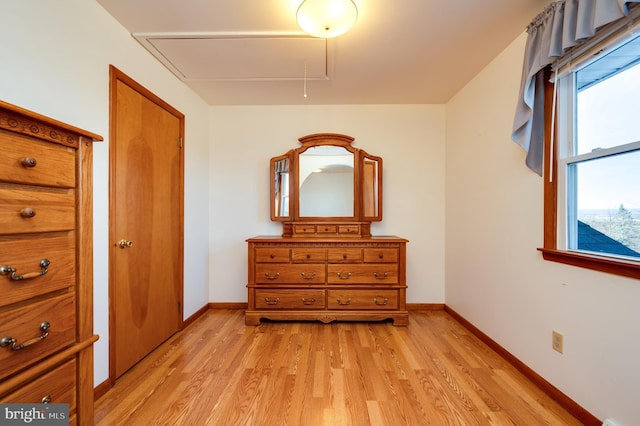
(608, 188)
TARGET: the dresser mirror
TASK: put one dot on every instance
(326, 187)
(326, 182)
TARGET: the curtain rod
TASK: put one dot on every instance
(616, 31)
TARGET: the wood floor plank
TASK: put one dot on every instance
(219, 371)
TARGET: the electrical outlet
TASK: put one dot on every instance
(557, 341)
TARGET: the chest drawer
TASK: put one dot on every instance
(274, 255)
(279, 273)
(290, 299)
(362, 299)
(56, 387)
(32, 162)
(381, 255)
(344, 255)
(33, 210)
(26, 255)
(308, 255)
(385, 273)
(24, 326)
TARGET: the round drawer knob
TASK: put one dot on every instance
(27, 212)
(29, 162)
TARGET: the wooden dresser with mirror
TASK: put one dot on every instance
(46, 263)
(326, 265)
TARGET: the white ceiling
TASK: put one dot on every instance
(251, 52)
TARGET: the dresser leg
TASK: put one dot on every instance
(250, 319)
(401, 320)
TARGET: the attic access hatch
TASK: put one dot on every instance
(239, 57)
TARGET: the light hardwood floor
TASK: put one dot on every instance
(218, 371)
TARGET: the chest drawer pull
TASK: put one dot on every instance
(46, 399)
(29, 162)
(269, 301)
(308, 277)
(8, 340)
(6, 270)
(271, 277)
(384, 302)
(27, 212)
(345, 276)
(380, 277)
(345, 302)
(308, 301)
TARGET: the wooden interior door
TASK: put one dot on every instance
(146, 222)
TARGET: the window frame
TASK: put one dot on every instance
(550, 251)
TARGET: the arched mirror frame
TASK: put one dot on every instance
(285, 191)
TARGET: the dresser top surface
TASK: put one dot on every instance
(280, 239)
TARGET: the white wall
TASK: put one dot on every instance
(496, 279)
(410, 139)
(55, 61)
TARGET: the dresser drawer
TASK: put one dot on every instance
(385, 273)
(362, 299)
(304, 229)
(326, 229)
(26, 256)
(349, 229)
(276, 273)
(24, 324)
(344, 255)
(33, 210)
(55, 387)
(308, 255)
(381, 255)
(275, 255)
(32, 162)
(289, 299)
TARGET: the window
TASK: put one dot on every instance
(592, 205)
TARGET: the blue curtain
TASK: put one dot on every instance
(562, 25)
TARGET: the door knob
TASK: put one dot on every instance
(125, 244)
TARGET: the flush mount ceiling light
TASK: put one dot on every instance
(327, 18)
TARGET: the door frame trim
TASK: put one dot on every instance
(115, 76)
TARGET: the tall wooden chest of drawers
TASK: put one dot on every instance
(46, 263)
(327, 279)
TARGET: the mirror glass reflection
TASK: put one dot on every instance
(326, 176)
(281, 188)
(370, 187)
